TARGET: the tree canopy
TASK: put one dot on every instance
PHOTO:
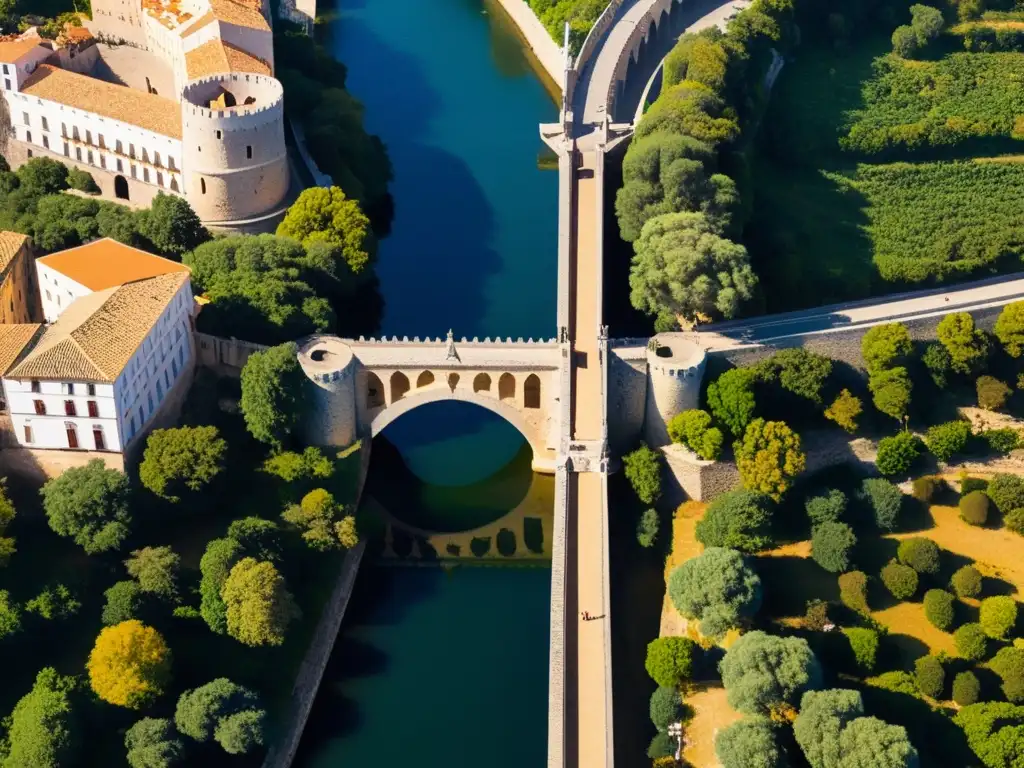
(749, 743)
(217, 562)
(643, 470)
(731, 399)
(129, 665)
(318, 517)
(259, 605)
(739, 519)
(885, 346)
(7, 513)
(967, 345)
(90, 505)
(224, 711)
(272, 394)
(763, 672)
(717, 588)
(995, 732)
(670, 660)
(179, 459)
(44, 732)
(153, 743)
(325, 215)
(156, 570)
(768, 457)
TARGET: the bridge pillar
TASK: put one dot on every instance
(330, 366)
(675, 369)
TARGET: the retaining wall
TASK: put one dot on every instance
(536, 38)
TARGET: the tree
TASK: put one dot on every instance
(43, 731)
(884, 500)
(683, 266)
(863, 646)
(54, 602)
(153, 743)
(949, 439)
(829, 508)
(748, 743)
(998, 616)
(124, 600)
(129, 665)
(10, 615)
(853, 591)
(919, 553)
(1002, 440)
(900, 580)
(904, 41)
(666, 707)
(971, 642)
(290, 466)
(241, 732)
(924, 488)
(272, 393)
(890, 390)
(348, 536)
(662, 745)
(42, 176)
(1008, 663)
(690, 109)
(884, 346)
(217, 562)
(939, 608)
(1015, 521)
(966, 582)
(316, 516)
(693, 429)
(1006, 492)
(930, 676)
(258, 537)
(224, 711)
(181, 458)
(763, 672)
(995, 732)
(325, 215)
(769, 457)
(936, 359)
(844, 411)
(731, 399)
(992, 393)
(927, 23)
(7, 513)
(82, 181)
(739, 520)
(831, 544)
(974, 508)
(670, 660)
(643, 471)
(259, 605)
(799, 371)
(966, 688)
(1009, 328)
(156, 570)
(897, 454)
(717, 588)
(967, 346)
(90, 505)
(647, 528)
(172, 226)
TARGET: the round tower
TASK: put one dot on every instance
(328, 362)
(235, 165)
(675, 368)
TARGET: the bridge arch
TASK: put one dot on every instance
(482, 383)
(425, 379)
(399, 385)
(507, 387)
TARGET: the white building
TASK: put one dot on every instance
(96, 377)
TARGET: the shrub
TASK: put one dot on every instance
(662, 745)
(156, 570)
(224, 711)
(930, 675)
(998, 616)
(152, 743)
(844, 410)
(82, 181)
(181, 459)
(693, 429)
(900, 580)
(904, 41)
(890, 392)
(1015, 521)
(647, 528)
(884, 499)
(992, 393)
(919, 553)
(670, 660)
(797, 370)
(966, 582)
(1001, 440)
(747, 743)
(731, 399)
(974, 508)
(761, 672)
(829, 508)
(967, 346)
(946, 440)
(971, 642)
(738, 519)
(716, 587)
(966, 688)
(936, 360)
(1008, 663)
(1006, 492)
(939, 608)
(1009, 328)
(124, 599)
(897, 454)
(968, 484)
(768, 457)
(129, 665)
(258, 605)
(883, 346)
(925, 488)
(643, 470)
(666, 707)
(864, 646)
(831, 544)
(258, 537)
(816, 616)
(897, 682)
(10, 615)
(853, 591)
(89, 504)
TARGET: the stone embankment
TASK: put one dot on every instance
(536, 37)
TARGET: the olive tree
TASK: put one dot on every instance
(763, 672)
(718, 588)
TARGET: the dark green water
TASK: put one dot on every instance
(448, 668)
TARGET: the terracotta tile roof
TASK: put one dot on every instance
(154, 113)
(98, 334)
(240, 14)
(12, 50)
(10, 244)
(218, 56)
(198, 24)
(14, 338)
(71, 34)
(107, 263)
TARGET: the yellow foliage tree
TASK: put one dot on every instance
(259, 605)
(129, 665)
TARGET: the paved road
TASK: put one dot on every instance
(586, 372)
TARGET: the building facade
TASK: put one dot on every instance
(19, 299)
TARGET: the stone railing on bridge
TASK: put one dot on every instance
(594, 37)
(631, 49)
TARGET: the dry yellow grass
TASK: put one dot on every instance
(966, 26)
(684, 541)
(711, 713)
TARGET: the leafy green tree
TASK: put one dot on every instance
(966, 688)
(967, 345)
(853, 591)
(224, 711)
(43, 731)
(924, 488)
(10, 615)
(1009, 328)
(153, 743)
(898, 453)
(42, 176)
(647, 528)
(259, 605)
(717, 588)
(863, 646)
(1002, 440)
(7, 514)
(181, 458)
(974, 508)
(992, 393)
(829, 508)
(769, 457)
(1015, 521)
(258, 537)
(798, 371)
(927, 23)
(919, 553)
(124, 601)
(731, 399)
(949, 439)
(670, 660)
(844, 411)
(172, 226)
(1006, 492)
(90, 505)
(966, 582)
(242, 732)
(883, 499)
(217, 562)
(272, 394)
(936, 359)
(326, 215)
(831, 544)
(890, 390)
(54, 602)
(900, 580)
(662, 745)
(683, 266)
(690, 109)
(737, 519)
(904, 41)
(763, 672)
(316, 516)
(998, 616)
(749, 743)
(290, 466)
(693, 429)
(1008, 663)
(939, 608)
(666, 707)
(885, 346)
(971, 642)
(156, 570)
(643, 471)
(995, 732)
(930, 676)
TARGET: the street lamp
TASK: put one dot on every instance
(676, 730)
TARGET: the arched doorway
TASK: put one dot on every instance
(482, 383)
(507, 387)
(425, 379)
(374, 391)
(121, 188)
(531, 391)
(399, 385)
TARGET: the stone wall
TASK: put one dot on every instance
(536, 37)
(627, 396)
(39, 465)
(689, 477)
(225, 356)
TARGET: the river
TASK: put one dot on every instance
(448, 667)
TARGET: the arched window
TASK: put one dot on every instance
(507, 387)
(121, 187)
(531, 391)
(453, 381)
(374, 391)
(202, 186)
(399, 385)
(482, 383)
(425, 379)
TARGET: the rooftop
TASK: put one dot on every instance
(167, 12)
(217, 56)
(13, 339)
(107, 263)
(237, 12)
(10, 244)
(12, 51)
(145, 110)
(72, 35)
(98, 334)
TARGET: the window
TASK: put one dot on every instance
(135, 175)
(69, 408)
(91, 162)
(145, 174)
(202, 186)
(90, 390)
(131, 151)
(28, 136)
(88, 137)
(118, 146)
(145, 155)
(94, 409)
(120, 166)
(181, 354)
(5, 70)
(64, 130)
(72, 432)
(218, 132)
(97, 438)
(248, 151)
(78, 154)
(46, 125)
(7, 82)
(159, 178)
(174, 184)
(167, 377)
(29, 153)
(74, 132)
(67, 153)
(101, 142)
(174, 367)
(170, 162)
(40, 407)
(46, 142)
(103, 161)
(67, 388)
(156, 159)
(24, 120)
(35, 384)
(28, 434)
(142, 419)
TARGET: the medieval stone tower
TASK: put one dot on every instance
(235, 160)
(675, 369)
(329, 364)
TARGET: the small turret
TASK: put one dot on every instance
(329, 364)
(675, 368)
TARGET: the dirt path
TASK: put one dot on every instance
(711, 714)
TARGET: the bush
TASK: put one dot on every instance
(829, 508)
(993, 732)
(666, 707)
(82, 181)
(939, 608)
(152, 743)
(864, 646)
(971, 642)
(738, 520)
(643, 470)
(747, 743)
(124, 599)
(930, 676)
(966, 688)
(844, 411)
(992, 393)
(769, 457)
(89, 504)
(904, 41)
(853, 591)
(925, 488)
(647, 528)
(693, 429)
(224, 711)
(974, 508)
(717, 588)
(900, 580)
(181, 459)
(968, 484)
(919, 553)
(816, 616)
(258, 605)
(1015, 521)
(884, 499)
(662, 745)
(670, 660)
(936, 360)
(890, 392)
(966, 582)
(1008, 663)
(998, 616)
(1009, 328)
(831, 544)
(1006, 492)
(731, 399)
(946, 440)
(884, 346)
(897, 454)
(762, 672)
(1001, 440)
(967, 346)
